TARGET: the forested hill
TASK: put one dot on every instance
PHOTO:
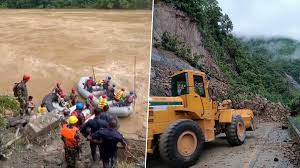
(198, 32)
(100, 4)
(280, 56)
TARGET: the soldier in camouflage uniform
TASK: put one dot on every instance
(71, 137)
(20, 91)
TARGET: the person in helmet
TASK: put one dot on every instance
(91, 127)
(89, 84)
(70, 135)
(106, 83)
(103, 105)
(78, 113)
(58, 89)
(111, 92)
(64, 119)
(128, 100)
(30, 105)
(108, 138)
(61, 99)
(73, 97)
(119, 96)
(21, 92)
(42, 109)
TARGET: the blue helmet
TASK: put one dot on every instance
(79, 106)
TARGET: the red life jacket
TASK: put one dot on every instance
(68, 135)
(89, 83)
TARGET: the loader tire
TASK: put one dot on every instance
(182, 143)
(236, 131)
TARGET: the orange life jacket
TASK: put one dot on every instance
(68, 135)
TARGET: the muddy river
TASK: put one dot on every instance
(63, 45)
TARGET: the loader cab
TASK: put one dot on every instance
(192, 87)
(189, 82)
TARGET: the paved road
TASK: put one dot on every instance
(259, 151)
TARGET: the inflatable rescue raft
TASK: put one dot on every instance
(123, 111)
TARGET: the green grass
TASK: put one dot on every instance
(7, 103)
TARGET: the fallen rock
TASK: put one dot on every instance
(42, 124)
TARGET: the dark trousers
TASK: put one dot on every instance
(71, 155)
(109, 161)
(93, 147)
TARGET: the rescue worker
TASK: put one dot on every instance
(20, 91)
(108, 117)
(64, 118)
(89, 103)
(42, 109)
(30, 105)
(103, 105)
(111, 92)
(70, 136)
(78, 113)
(106, 83)
(100, 83)
(61, 99)
(128, 100)
(89, 84)
(73, 97)
(119, 96)
(57, 90)
(91, 127)
(109, 139)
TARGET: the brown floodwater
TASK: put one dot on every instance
(63, 45)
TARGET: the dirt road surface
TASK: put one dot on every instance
(60, 45)
(259, 151)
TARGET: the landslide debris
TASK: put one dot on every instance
(264, 109)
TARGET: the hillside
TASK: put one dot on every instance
(199, 35)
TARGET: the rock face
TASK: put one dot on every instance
(164, 64)
(168, 19)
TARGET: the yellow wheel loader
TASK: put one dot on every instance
(178, 126)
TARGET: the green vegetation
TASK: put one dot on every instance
(172, 43)
(297, 119)
(99, 4)
(249, 70)
(7, 103)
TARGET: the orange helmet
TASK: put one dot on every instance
(26, 77)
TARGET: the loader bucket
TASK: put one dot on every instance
(247, 116)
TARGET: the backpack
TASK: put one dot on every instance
(15, 89)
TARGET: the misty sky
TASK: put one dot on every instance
(264, 17)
